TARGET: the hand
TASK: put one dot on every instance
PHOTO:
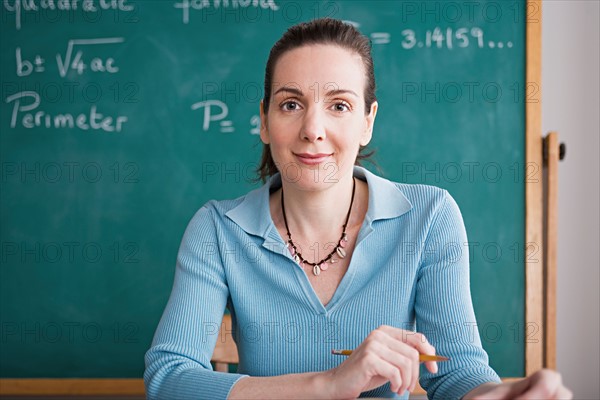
(388, 354)
(544, 384)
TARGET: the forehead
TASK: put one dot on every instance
(321, 64)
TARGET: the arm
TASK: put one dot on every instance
(310, 385)
(444, 310)
(388, 354)
(544, 384)
(178, 363)
(445, 314)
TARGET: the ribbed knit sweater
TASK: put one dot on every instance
(409, 269)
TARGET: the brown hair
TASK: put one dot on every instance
(318, 31)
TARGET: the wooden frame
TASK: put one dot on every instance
(534, 252)
(539, 334)
(551, 159)
(72, 387)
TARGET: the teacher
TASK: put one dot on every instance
(326, 255)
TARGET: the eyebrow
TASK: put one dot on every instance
(299, 93)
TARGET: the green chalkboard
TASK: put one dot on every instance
(120, 118)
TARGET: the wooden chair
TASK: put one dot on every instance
(226, 351)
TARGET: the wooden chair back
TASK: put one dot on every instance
(225, 352)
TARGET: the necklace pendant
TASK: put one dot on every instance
(333, 261)
(324, 266)
(296, 258)
(341, 252)
(316, 270)
(291, 249)
(344, 241)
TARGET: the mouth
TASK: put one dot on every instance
(312, 159)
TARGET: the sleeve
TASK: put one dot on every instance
(444, 310)
(178, 362)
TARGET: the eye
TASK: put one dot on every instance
(341, 106)
(289, 105)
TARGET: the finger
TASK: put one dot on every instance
(431, 366)
(564, 394)
(416, 370)
(505, 390)
(390, 373)
(543, 384)
(405, 364)
(540, 392)
(416, 340)
(406, 358)
(379, 350)
(402, 355)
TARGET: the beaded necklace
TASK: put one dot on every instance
(322, 265)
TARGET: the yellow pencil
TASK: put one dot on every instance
(422, 357)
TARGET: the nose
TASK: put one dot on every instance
(313, 127)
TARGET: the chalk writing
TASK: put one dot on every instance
(217, 111)
(69, 61)
(255, 124)
(226, 126)
(29, 116)
(185, 5)
(380, 37)
(438, 38)
(77, 63)
(449, 38)
(25, 67)
(87, 6)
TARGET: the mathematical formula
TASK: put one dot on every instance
(79, 58)
(70, 62)
(18, 7)
(449, 38)
(214, 111)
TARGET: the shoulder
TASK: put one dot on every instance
(421, 195)
(430, 199)
(249, 212)
(429, 205)
(424, 198)
(418, 203)
(214, 211)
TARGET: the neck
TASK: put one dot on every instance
(317, 213)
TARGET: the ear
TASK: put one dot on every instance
(370, 121)
(264, 132)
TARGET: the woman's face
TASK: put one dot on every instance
(316, 119)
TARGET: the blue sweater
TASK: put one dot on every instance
(409, 269)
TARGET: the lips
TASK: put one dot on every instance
(312, 158)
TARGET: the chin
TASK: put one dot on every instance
(323, 181)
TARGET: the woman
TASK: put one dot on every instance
(314, 260)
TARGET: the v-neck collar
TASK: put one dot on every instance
(253, 215)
